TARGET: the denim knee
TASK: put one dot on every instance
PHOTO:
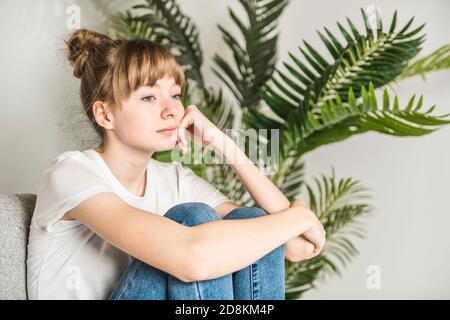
(245, 212)
(192, 213)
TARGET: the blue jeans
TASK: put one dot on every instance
(262, 280)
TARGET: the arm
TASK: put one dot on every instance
(227, 246)
(224, 208)
(296, 249)
(207, 251)
(262, 190)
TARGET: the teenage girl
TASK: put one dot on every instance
(113, 223)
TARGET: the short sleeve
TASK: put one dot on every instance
(64, 185)
(197, 189)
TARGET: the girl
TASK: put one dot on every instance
(114, 223)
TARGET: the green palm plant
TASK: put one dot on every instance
(313, 101)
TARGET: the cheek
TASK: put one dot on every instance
(135, 126)
(181, 112)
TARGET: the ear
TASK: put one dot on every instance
(103, 114)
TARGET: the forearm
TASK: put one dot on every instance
(263, 191)
(225, 246)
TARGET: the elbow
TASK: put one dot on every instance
(197, 274)
(299, 251)
(294, 257)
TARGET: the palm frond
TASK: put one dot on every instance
(226, 180)
(315, 101)
(177, 31)
(338, 120)
(217, 109)
(124, 25)
(290, 177)
(255, 60)
(306, 85)
(437, 60)
(340, 206)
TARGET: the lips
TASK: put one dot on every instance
(168, 129)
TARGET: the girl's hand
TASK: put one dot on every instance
(198, 127)
(316, 234)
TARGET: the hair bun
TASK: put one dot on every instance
(80, 44)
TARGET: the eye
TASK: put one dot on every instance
(179, 96)
(146, 98)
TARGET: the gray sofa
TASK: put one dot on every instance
(15, 216)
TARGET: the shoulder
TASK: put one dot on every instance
(68, 158)
(64, 184)
(68, 166)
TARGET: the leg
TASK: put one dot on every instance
(265, 278)
(144, 282)
(141, 281)
(221, 288)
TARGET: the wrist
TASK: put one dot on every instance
(217, 140)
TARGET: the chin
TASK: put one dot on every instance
(166, 147)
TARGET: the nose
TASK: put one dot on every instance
(170, 109)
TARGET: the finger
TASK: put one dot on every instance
(317, 250)
(315, 254)
(191, 107)
(298, 203)
(186, 122)
(189, 119)
(181, 127)
(180, 146)
(314, 241)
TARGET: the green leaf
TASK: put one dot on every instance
(290, 177)
(255, 57)
(363, 115)
(435, 61)
(315, 100)
(127, 26)
(356, 64)
(217, 110)
(341, 207)
(177, 31)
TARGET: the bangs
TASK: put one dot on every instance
(142, 63)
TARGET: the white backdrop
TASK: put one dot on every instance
(408, 237)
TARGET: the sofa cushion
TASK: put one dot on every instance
(15, 216)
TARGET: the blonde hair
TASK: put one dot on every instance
(110, 70)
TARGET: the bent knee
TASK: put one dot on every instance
(192, 213)
(246, 212)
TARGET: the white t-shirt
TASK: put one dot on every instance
(66, 260)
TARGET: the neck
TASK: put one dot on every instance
(128, 165)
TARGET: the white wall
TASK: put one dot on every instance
(41, 117)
